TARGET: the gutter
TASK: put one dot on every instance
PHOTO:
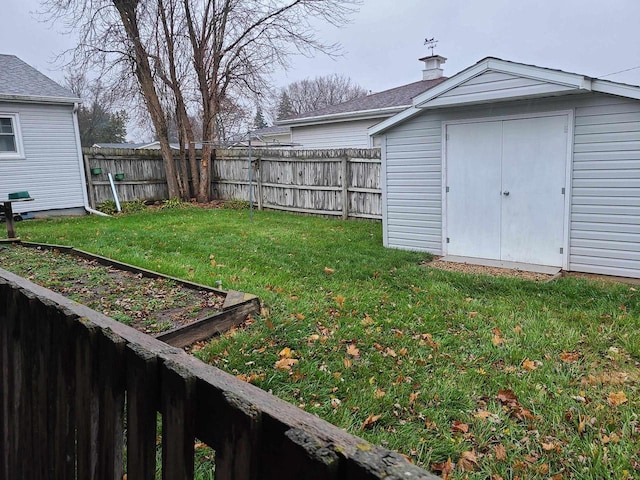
(38, 99)
(346, 116)
(83, 176)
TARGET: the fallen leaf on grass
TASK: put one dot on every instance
(473, 314)
(500, 452)
(286, 352)
(444, 468)
(300, 316)
(459, 427)
(413, 397)
(379, 393)
(339, 300)
(617, 398)
(506, 397)
(482, 414)
(468, 461)
(251, 377)
(569, 357)
(353, 350)
(286, 363)
(510, 401)
(347, 362)
(368, 423)
(497, 337)
(328, 270)
(529, 365)
(367, 320)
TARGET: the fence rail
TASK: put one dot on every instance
(72, 378)
(344, 183)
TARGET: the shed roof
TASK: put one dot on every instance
(20, 81)
(565, 82)
(388, 101)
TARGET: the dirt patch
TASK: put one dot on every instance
(491, 271)
(150, 305)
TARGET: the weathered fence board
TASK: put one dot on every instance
(254, 435)
(326, 182)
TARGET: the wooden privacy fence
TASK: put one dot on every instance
(82, 392)
(344, 183)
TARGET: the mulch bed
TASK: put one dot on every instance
(150, 305)
(491, 271)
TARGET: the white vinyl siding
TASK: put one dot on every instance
(604, 232)
(605, 213)
(495, 85)
(333, 135)
(49, 169)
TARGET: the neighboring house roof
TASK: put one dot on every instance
(273, 130)
(556, 82)
(133, 146)
(383, 103)
(20, 81)
(141, 146)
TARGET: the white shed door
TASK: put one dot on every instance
(505, 184)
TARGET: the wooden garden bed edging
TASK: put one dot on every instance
(236, 307)
(71, 378)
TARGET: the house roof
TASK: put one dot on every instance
(558, 82)
(133, 146)
(273, 130)
(383, 103)
(20, 81)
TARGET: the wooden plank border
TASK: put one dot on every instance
(236, 307)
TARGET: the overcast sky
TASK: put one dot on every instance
(386, 37)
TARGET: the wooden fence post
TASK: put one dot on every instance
(345, 187)
(90, 187)
(259, 179)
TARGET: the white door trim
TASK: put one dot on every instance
(570, 114)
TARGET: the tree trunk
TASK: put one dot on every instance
(128, 15)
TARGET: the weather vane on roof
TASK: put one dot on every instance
(431, 43)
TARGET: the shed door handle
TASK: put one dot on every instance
(506, 193)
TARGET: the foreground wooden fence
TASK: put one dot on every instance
(344, 183)
(71, 379)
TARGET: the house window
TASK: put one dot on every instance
(10, 140)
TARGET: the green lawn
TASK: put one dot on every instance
(503, 377)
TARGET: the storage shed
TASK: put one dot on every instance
(517, 163)
(40, 149)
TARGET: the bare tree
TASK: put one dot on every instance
(192, 56)
(312, 94)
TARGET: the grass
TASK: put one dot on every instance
(500, 376)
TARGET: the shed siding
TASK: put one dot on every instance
(50, 170)
(495, 85)
(605, 203)
(605, 211)
(333, 135)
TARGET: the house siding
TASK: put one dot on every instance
(604, 235)
(50, 170)
(333, 135)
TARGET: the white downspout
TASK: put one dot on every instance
(83, 176)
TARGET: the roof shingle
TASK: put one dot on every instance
(394, 97)
(20, 79)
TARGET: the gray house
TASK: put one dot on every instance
(517, 163)
(40, 147)
(346, 125)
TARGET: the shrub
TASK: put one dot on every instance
(108, 207)
(174, 203)
(236, 204)
(136, 205)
